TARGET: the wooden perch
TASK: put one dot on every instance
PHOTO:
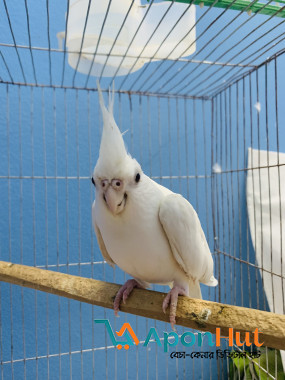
(193, 313)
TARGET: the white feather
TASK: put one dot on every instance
(157, 238)
(186, 238)
(113, 155)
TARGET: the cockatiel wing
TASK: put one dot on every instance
(100, 240)
(186, 238)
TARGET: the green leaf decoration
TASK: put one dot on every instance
(262, 374)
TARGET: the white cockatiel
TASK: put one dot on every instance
(147, 230)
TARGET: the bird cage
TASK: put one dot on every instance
(202, 112)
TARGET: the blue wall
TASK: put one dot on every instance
(50, 143)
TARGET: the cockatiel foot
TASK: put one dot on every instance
(171, 300)
(124, 293)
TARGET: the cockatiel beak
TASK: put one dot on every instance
(115, 199)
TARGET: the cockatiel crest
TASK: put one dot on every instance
(113, 159)
(150, 232)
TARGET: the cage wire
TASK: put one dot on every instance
(190, 123)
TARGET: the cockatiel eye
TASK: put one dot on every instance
(104, 183)
(117, 183)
